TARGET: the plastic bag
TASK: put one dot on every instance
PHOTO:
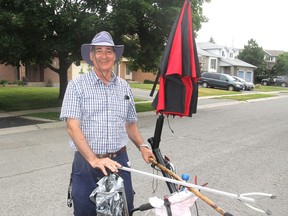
(109, 196)
(181, 203)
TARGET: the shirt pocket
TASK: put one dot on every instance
(121, 106)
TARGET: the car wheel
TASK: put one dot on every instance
(230, 88)
(265, 83)
(283, 84)
(205, 85)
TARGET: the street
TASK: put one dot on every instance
(237, 148)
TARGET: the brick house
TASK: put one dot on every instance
(39, 76)
(212, 57)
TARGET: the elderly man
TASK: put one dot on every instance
(100, 114)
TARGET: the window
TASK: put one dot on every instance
(127, 71)
(223, 78)
(248, 76)
(223, 53)
(240, 74)
(231, 55)
(213, 64)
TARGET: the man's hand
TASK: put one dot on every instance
(146, 154)
(104, 163)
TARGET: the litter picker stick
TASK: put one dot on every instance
(241, 197)
(193, 190)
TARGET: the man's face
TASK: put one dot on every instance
(103, 57)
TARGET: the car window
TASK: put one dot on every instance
(215, 76)
(230, 78)
(205, 75)
(224, 78)
(211, 75)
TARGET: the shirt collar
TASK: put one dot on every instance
(96, 79)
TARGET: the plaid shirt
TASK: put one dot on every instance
(101, 109)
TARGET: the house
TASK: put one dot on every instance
(270, 57)
(222, 59)
(212, 58)
(39, 76)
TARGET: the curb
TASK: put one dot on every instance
(23, 129)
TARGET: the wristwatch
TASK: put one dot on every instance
(143, 145)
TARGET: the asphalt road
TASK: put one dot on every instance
(237, 148)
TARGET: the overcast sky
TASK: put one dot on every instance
(233, 22)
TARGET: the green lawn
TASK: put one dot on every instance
(247, 97)
(25, 98)
(141, 107)
(270, 88)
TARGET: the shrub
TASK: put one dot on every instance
(4, 82)
(148, 82)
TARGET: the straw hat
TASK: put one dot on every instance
(101, 39)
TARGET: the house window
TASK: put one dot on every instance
(249, 76)
(213, 64)
(127, 71)
(241, 74)
(231, 55)
(223, 53)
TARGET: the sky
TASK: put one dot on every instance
(233, 23)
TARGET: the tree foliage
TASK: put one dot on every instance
(253, 54)
(281, 66)
(39, 31)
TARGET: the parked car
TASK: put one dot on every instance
(277, 80)
(217, 80)
(247, 85)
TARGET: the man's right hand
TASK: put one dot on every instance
(103, 163)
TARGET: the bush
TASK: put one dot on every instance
(4, 82)
(148, 82)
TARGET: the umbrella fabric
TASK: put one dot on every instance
(179, 69)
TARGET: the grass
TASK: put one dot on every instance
(247, 97)
(215, 92)
(269, 88)
(25, 98)
(144, 107)
(141, 107)
(46, 115)
(143, 86)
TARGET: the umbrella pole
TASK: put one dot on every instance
(155, 141)
(193, 190)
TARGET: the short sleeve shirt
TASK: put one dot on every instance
(102, 110)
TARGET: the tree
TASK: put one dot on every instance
(281, 66)
(253, 54)
(39, 31)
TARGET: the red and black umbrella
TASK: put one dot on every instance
(178, 73)
(179, 69)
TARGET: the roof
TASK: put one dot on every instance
(274, 52)
(209, 45)
(205, 53)
(234, 62)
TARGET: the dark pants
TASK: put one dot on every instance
(84, 180)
